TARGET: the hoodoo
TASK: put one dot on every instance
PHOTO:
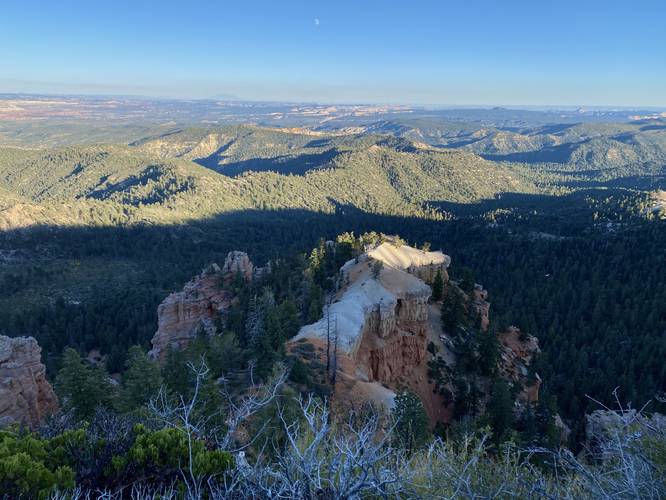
(182, 314)
(379, 322)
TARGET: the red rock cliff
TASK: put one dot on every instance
(26, 396)
(182, 314)
(517, 351)
(382, 320)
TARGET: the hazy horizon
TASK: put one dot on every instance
(426, 53)
(425, 106)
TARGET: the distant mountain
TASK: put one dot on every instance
(614, 149)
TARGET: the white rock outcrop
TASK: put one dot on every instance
(380, 319)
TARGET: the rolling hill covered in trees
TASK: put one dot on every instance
(197, 173)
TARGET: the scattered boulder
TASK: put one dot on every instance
(26, 397)
(602, 426)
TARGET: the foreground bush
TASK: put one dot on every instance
(316, 455)
(30, 466)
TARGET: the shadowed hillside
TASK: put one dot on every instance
(98, 287)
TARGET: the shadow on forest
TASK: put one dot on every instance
(286, 164)
(549, 154)
(264, 234)
(53, 288)
(516, 270)
(644, 182)
(553, 206)
(269, 234)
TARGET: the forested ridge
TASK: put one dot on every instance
(594, 300)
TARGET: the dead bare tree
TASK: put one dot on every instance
(182, 414)
(620, 465)
(328, 335)
(335, 352)
(242, 407)
(323, 460)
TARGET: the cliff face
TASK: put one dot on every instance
(394, 340)
(422, 264)
(26, 396)
(182, 314)
(517, 351)
(381, 323)
(396, 359)
(376, 329)
(481, 307)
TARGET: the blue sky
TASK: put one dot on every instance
(541, 52)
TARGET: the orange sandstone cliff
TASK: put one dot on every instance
(26, 397)
(182, 314)
(379, 324)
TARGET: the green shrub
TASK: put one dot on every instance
(163, 453)
(26, 468)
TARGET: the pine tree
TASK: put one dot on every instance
(454, 314)
(500, 410)
(176, 375)
(141, 381)
(315, 303)
(467, 395)
(254, 324)
(488, 349)
(438, 286)
(81, 388)
(411, 421)
(467, 280)
(377, 267)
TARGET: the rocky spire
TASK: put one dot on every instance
(26, 397)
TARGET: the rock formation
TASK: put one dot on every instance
(183, 314)
(374, 333)
(604, 425)
(380, 326)
(380, 323)
(419, 263)
(517, 350)
(480, 305)
(238, 263)
(26, 397)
